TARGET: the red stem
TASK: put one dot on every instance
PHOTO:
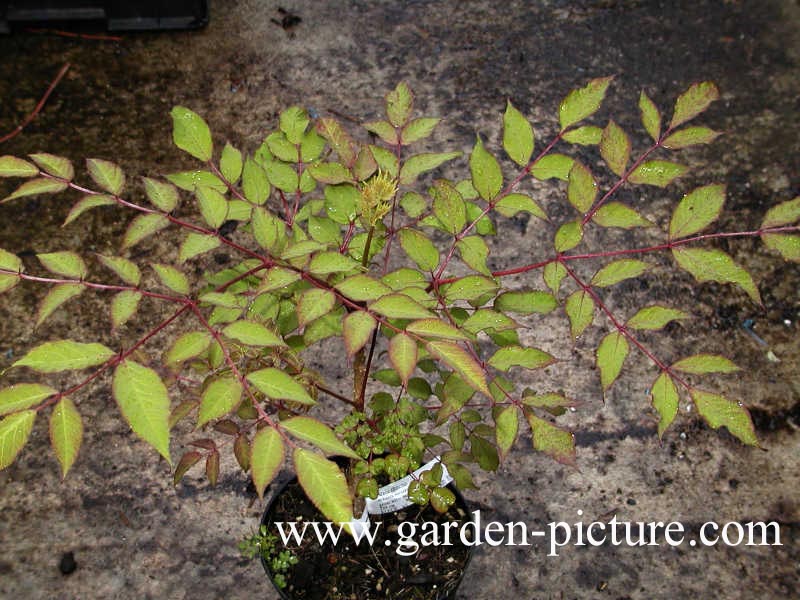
(39, 105)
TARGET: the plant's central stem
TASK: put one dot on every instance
(361, 362)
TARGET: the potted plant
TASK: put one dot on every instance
(352, 243)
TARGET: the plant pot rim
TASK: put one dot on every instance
(460, 501)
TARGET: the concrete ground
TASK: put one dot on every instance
(135, 536)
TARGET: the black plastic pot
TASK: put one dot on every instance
(113, 15)
(447, 591)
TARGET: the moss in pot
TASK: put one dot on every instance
(354, 245)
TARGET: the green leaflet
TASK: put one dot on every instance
(384, 130)
(124, 269)
(787, 245)
(253, 334)
(582, 188)
(400, 306)
(213, 206)
(143, 400)
(58, 166)
(313, 304)
(220, 397)
(293, 122)
(448, 206)
(615, 148)
(659, 173)
(525, 302)
(191, 180)
(434, 328)
(580, 309)
(418, 129)
(611, 354)
(124, 306)
(696, 211)
(699, 364)
(66, 433)
(189, 345)
(64, 355)
(14, 432)
(67, 264)
(142, 227)
(553, 274)
(107, 175)
(362, 288)
(582, 102)
(266, 457)
(474, 252)
(172, 278)
(338, 138)
(517, 136)
(587, 135)
(715, 265)
(510, 204)
(616, 214)
(784, 213)
(230, 163)
(619, 270)
(195, 244)
(552, 166)
(163, 196)
(655, 317)
(690, 136)
(557, 443)
(516, 356)
(568, 236)
(487, 178)
(721, 412)
(11, 166)
(469, 288)
(58, 295)
(651, 117)
(191, 133)
(324, 484)
(665, 401)
(417, 164)
(693, 101)
(460, 360)
(277, 385)
(506, 429)
(403, 355)
(87, 203)
(419, 249)
(317, 433)
(357, 329)
(23, 395)
(325, 263)
(255, 184)
(398, 104)
(34, 187)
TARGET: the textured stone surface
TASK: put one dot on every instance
(134, 536)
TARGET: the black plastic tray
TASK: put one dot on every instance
(116, 15)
